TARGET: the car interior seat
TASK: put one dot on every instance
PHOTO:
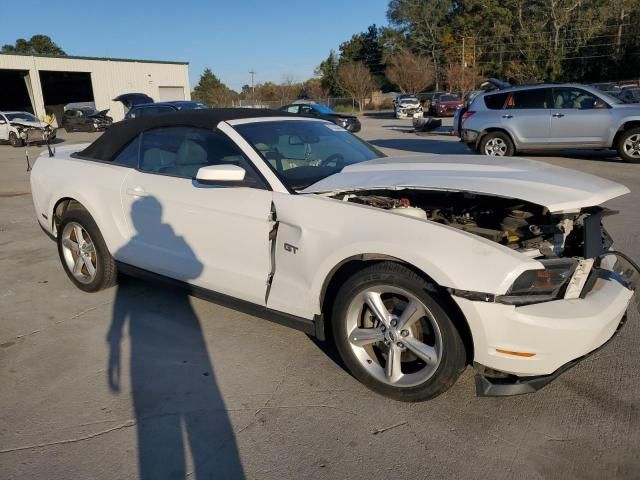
(190, 157)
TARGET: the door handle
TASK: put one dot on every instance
(507, 116)
(558, 115)
(137, 192)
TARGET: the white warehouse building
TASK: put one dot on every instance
(44, 84)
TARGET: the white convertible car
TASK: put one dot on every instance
(418, 266)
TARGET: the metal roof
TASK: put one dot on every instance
(104, 59)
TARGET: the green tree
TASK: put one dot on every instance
(211, 91)
(327, 73)
(425, 23)
(36, 45)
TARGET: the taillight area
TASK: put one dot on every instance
(467, 114)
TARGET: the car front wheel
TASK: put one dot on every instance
(497, 144)
(629, 145)
(83, 252)
(394, 336)
(14, 140)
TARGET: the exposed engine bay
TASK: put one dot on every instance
(526, 227)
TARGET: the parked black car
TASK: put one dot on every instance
(85, 119)
(346, 121)
(130, 100)
(158, 108)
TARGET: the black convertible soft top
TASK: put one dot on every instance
(120, 134)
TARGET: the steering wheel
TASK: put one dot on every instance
(336, 158)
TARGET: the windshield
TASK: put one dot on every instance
(322, 108)
(610, 98)
(449, 98)
(407, 98)
(302, 152)
(88, 111)
(26, 116)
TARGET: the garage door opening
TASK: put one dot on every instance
(14, 94)
(60, 88)
(168, 94)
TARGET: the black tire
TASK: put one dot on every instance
(106, 271)
(453, 354)
(14, 140)
(509, 150)
(633, 136)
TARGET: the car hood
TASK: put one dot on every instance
(553, 187)
(100, 114)
(28, 123)
(341, 115)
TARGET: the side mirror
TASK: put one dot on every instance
(220, 173)
(2, 121)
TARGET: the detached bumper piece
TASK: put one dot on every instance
(492, 383)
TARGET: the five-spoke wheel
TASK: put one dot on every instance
(83, 252)
(79, 252)
(393, 332)
(393, 335)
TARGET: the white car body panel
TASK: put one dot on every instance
(212, 237)
(554, 187)
(227, 230)
(328, 232)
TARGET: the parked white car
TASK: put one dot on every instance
(406, 106)
(18, 128)
(420, 265)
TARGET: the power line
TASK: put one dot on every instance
(551, 32)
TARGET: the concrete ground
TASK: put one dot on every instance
(143, 382)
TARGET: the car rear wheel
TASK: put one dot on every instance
(629, 145)
(83, 252)
(14, 140)
(394, 336)
(496, 144)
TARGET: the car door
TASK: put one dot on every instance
(213, 236)
(4, 128)
(579, 118)
(526, 117)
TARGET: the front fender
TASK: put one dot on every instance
(325, 232)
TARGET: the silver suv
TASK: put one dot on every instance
(551, 117)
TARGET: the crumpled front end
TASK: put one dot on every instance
(30, 133)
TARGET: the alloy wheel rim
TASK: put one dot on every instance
(394, 336)
(632, 145)
(496, 147)
(79, 252)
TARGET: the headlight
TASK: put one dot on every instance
(534, 286)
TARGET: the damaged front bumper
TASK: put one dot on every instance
(492, 383)
(520, 349)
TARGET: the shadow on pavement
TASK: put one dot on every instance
(176, 400)
(423, 145)
(380, 115)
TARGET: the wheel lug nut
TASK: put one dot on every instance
(394, 323)
(400, 345)
(404, 333)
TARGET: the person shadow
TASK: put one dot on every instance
(176, 400)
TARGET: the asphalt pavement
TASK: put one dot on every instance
(142, 381)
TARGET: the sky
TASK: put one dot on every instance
(275, 38)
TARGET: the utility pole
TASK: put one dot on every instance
(253, 88)
(462, 68)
